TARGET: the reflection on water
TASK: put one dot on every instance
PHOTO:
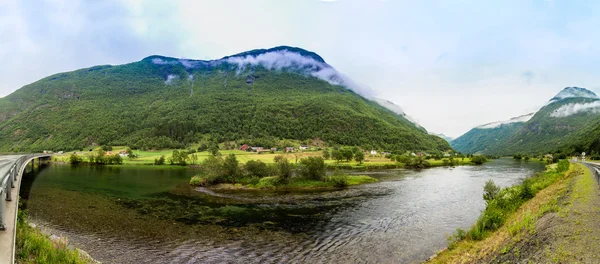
(149, 215)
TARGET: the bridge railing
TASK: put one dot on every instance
(7, 183)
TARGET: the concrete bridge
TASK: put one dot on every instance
(12, 168)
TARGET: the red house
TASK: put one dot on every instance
(244, 147)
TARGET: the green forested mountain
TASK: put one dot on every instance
(568, 123)
(489, 137)
(256, 97)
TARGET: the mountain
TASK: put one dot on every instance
(557, 126)
(489, 137)
(258, 97)
(447, 138)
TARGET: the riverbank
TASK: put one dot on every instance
(33, 246)
(557, 225)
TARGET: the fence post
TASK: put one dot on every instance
(2, 216)
(13, 176)
(7, 188)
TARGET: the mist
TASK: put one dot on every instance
(284, 59)
(572, 109)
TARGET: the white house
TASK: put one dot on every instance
(303, 147)
(373, 152)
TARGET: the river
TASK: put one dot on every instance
(149, 215)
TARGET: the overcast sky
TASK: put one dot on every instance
(451, 65)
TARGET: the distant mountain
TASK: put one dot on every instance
(489, 137)
(257, 97)
(447, 138)
(557, 126)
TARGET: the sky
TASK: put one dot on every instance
(451, 65)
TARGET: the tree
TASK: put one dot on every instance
(130, 154)
(347, 154)
(284, 170)
(160, 161)
(202, 147)
(313, 168)
(490, 191)
(297, 155)
(326, 154)
(231, 167)
(359, 157)
(194, 158)
(337, 155)
(214, 149)
(256, 168)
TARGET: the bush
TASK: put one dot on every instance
(478, 159)
(313, 168)
(284, 169)
(563, 166)
(198, 181)
(211, 169)
(339, 181)
(256, 168)
(457, 236)
(160, 161)
(75, 159)
(490, 191)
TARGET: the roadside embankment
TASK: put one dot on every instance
(559, 224)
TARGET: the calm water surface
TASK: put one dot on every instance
(148, 215)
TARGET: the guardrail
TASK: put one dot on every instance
(7, 183)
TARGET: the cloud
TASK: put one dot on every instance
(294, 61)
(528, 77)
(572, 109)
(170, 79)
(519, 119)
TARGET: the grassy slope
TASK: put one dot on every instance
(131, 105)
(35, 247)
(517, 227)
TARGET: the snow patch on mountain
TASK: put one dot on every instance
(572, 109)
(518, 119)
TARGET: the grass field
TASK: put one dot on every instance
(148, 157)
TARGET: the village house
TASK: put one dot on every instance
(373, 152)
(256, 149)
(290, 149)
(304, 147)
(244, 147)
(123, 153)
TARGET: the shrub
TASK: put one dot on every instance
(256, 168)
(284, 170)
(75, 159)
(563, 166)
(313, 168)
(160, 161)
(231, 167)
(211, 169)
(198, 181)
(478, 159)
(457, 236)
(490, 191)
(339, 181)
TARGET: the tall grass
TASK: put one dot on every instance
(508, 200)
(35, 247)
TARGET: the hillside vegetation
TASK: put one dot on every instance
(163, 102)
(569, 123)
